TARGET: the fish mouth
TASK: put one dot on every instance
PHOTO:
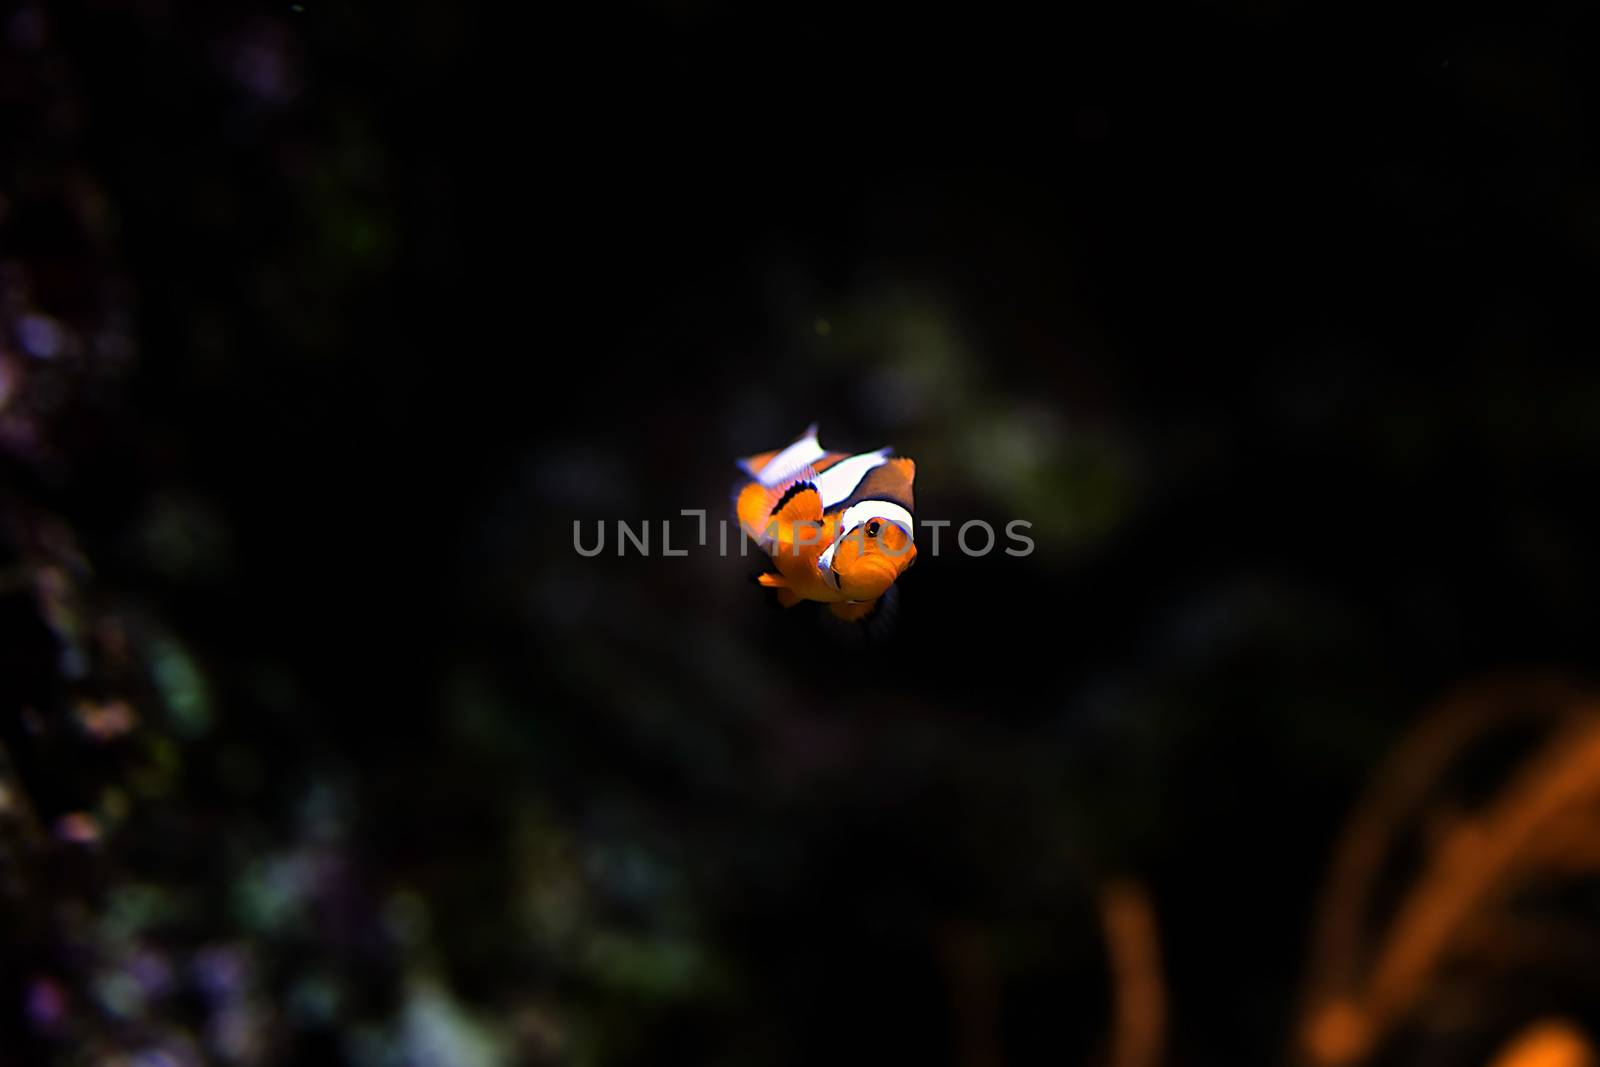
(874, 572)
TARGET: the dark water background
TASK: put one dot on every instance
(1276, 321)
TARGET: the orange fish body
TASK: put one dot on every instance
(838, 527)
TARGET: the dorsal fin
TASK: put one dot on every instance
(778, 467)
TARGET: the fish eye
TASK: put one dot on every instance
(872, 528)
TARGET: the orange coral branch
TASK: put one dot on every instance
(1140, 1006)
(1475, 864)
(1552, 1043)
(1340, 941)
(974, 995)
(1477, 861)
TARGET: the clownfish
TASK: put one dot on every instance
(837, 526)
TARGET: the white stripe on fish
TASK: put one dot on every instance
(856, 514)
(792, 460)
(836, 483)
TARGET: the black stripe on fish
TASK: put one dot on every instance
(859, 495)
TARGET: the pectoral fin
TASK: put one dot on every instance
(786, 596)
